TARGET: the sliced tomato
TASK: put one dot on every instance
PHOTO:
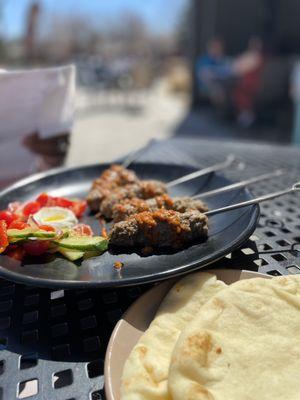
(83, 230)
(18, 225)
(31, 208)
(7, 216)
(79, 207)
(36, 247)
(43, 199)
(3, 236)
(63, 202)
(47, 228)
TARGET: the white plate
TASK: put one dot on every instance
(137, 319)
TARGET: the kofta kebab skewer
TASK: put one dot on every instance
(159, 229)
(204, 171)
(113, 177)
(239, 185)
(117, 176)
(172, 229)
(118, 185)
(128, 207)
(120, 209)
(295, 188)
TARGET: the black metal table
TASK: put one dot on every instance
(52, 343)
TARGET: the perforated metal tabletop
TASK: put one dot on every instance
(52, 343)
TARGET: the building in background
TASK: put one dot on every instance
(275, 23)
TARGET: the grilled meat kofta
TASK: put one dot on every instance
(160, 229)
(142, 189)
(113, 177)
(128, 207)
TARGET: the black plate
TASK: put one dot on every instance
(227, 231)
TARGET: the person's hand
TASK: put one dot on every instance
(30, 140)
(51, 152)
(54, 146)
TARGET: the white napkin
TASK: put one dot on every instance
(40, 100)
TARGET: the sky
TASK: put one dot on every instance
(160, 15)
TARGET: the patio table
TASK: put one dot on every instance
(52, 343)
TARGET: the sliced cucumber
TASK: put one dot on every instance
(27, 233)
(19, 233)
(71, 255)
(17, 240)
(90, 254)
(44, 234)
(83, 243)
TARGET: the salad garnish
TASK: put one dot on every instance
(48, 224)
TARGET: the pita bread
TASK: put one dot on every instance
(244, 344)
(145, 372)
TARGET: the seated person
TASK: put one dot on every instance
(212, 66)
(248, 69)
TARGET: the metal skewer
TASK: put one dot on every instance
(238, 185)
(293, 189)
(213, 168)
(134, 155)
